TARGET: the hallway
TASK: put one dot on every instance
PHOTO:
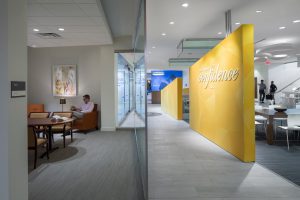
(185, 165)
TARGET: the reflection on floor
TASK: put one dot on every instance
(95, 166)
(132, 120)
(185, 165)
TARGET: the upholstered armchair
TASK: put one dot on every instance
(88, 122)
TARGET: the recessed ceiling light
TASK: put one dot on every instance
(219, 33)
(282, 27)
(280, 56)
(153, 47)
(36, 30)
(61, 29)
(258, 11)
(171, 23)
(237, 23)
(185, 5)
(163, 34)
(33, 46)
(296, 21)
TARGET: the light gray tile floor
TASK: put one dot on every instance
(132, 120)
(185, 165)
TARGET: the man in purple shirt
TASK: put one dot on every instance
(86, 107)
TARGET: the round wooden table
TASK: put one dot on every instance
(47, 122)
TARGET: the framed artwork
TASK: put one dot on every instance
(64, 80)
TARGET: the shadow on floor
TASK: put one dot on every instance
(99, 165)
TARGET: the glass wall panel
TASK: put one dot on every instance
(140, 97)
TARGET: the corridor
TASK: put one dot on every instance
(185, 165)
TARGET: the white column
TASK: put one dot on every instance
(13, 128)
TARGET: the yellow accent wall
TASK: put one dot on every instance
(171, 99)
(222, 94)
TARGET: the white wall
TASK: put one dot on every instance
(13, 120)
(186, 78)
(284, 74)
(95, 70)
(261, 73)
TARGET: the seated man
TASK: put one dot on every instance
(86, 107)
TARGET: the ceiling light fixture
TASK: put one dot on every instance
(36, 30)
(237, 23)
(282, 27)
(280, 56)
(153, 47)
(185, 5)
(172, 23)
(219, 33)
(163, 34)
(33, 46)
(61, 29)
(296, 21)
(258, 11)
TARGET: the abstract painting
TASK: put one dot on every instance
(64, 80)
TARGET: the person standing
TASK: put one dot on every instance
(262, 91)
(273, 89)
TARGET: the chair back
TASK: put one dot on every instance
(35, 108)
(39, 115)
(293, 120)
(31, 137)
(95, 107)
(63, 114)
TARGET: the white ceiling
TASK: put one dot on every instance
(83, 20)
(121, 16)
(204, 19)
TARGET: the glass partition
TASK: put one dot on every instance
(125, 85)
(140, 97)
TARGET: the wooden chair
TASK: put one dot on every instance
(64, 129)
(39, 129)
(34, 141)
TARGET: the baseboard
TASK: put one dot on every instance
(111, 129)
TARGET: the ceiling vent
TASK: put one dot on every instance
(49, 35)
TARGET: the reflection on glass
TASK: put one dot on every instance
(140, 97)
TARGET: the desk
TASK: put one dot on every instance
(31, 122)
(270, 114)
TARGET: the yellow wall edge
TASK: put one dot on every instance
(171, 99)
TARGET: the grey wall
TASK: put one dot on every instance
(13, 120)
(95, 70)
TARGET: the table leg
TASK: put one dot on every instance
(270, 130)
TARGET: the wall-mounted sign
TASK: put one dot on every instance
(18, 89)
(217, 74)
(160, 79)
